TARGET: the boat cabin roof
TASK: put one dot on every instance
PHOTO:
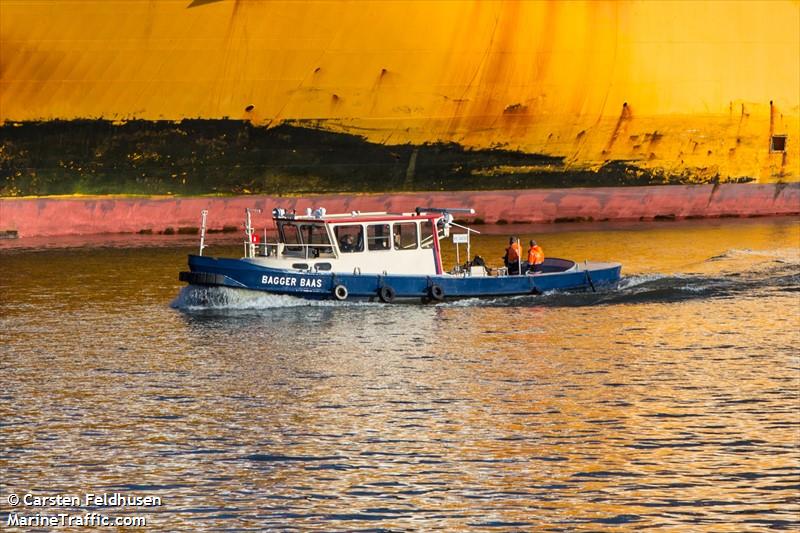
(355, 217)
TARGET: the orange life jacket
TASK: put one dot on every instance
(535, 255)
(513, 252)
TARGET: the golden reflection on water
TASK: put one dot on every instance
(670, 402)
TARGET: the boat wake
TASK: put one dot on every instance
(195, 298)
(785, 255)
(736, 273)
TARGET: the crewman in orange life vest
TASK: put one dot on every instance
(535, 257)
(512, 257)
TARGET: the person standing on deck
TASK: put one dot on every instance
(535, 257)
(512, 257)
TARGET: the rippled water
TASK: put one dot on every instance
(673, 402)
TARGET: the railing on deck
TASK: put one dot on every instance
(299, 251)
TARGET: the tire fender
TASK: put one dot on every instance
(436, 292)
(386, 294)
(340, 292)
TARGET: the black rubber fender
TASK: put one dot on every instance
(340, 292)
(386, 294)
(436, 292)
(201, 278)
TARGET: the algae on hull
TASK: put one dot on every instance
(230, 157)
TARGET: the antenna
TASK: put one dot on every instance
(250, 247)
(203, 215)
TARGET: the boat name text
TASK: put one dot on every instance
(288, 281)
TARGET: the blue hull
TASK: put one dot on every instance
(243, 274)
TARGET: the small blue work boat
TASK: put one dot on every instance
(379, 257)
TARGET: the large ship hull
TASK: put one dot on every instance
(682, 91)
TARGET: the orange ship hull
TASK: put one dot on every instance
(703, 89)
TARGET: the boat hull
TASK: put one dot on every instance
(243, 274)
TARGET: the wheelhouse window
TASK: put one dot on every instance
(404, 236)
(378, 236)
(290, 234)
(316, 236)
(350, 238)
(426, 235)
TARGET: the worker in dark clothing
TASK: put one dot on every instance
(346, 243)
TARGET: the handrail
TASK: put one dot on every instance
(306, 247)
(465, 227)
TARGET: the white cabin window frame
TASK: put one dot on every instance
(316, 237)
(295, 247)
(422, 244)
(406, 243)
(379, 241)
(337, 238)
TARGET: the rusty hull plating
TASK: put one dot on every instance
(697, 88)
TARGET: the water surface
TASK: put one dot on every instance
(670, 403)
